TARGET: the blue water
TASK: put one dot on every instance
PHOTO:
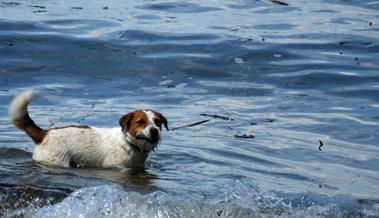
(289, 75)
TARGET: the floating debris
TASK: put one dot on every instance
(357, 60)
(269, 120)
(77, 8)
(354, 43)
(11, 3)
(216, 116)
(191, 125)
(38, 6)
(39, 11)
(321, 144)
(253, 123)
(244, 136)
(279, 2)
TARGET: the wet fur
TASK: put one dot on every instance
(77, 146)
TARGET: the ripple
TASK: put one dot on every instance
(178, 7)
(287, 75)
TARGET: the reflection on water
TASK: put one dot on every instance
(286, 76)
(134, 177)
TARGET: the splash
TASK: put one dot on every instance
(239, 199)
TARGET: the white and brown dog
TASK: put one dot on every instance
(74, 146)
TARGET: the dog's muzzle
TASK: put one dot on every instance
(154, 136)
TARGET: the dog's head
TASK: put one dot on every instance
(143, 128)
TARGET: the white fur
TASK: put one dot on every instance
(151, 116)
(92, 147)
(95, 147)
(18, 107)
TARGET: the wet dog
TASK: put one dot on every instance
(79, 146)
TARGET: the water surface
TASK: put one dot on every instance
(288, 75)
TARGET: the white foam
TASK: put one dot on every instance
(241, 199)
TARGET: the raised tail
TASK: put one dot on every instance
(18, 112)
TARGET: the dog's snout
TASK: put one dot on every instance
(154, 135)
(154, 132)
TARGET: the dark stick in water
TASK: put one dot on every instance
(321, 144)
(244, 136)
(215, 116)
(279, 2)
(190, 125)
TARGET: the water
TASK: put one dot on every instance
(288, 75)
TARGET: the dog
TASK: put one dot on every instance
(86, 146)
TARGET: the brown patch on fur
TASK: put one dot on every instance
(125, 120)
(159, 120)
(34, 132)
(134, 121)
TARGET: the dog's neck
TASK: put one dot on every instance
(136, 148)
(132, 145)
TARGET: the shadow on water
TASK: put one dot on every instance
(22, 170)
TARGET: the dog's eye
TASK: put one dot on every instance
(141, 121)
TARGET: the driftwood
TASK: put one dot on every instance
(279, 2)
(216, 116)
(244, 136)
(191, 124)
(203, 121)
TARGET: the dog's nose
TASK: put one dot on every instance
(154, 134)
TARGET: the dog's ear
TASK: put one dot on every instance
(125, 120)
(164, 120)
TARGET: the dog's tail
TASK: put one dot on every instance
(18, 112)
